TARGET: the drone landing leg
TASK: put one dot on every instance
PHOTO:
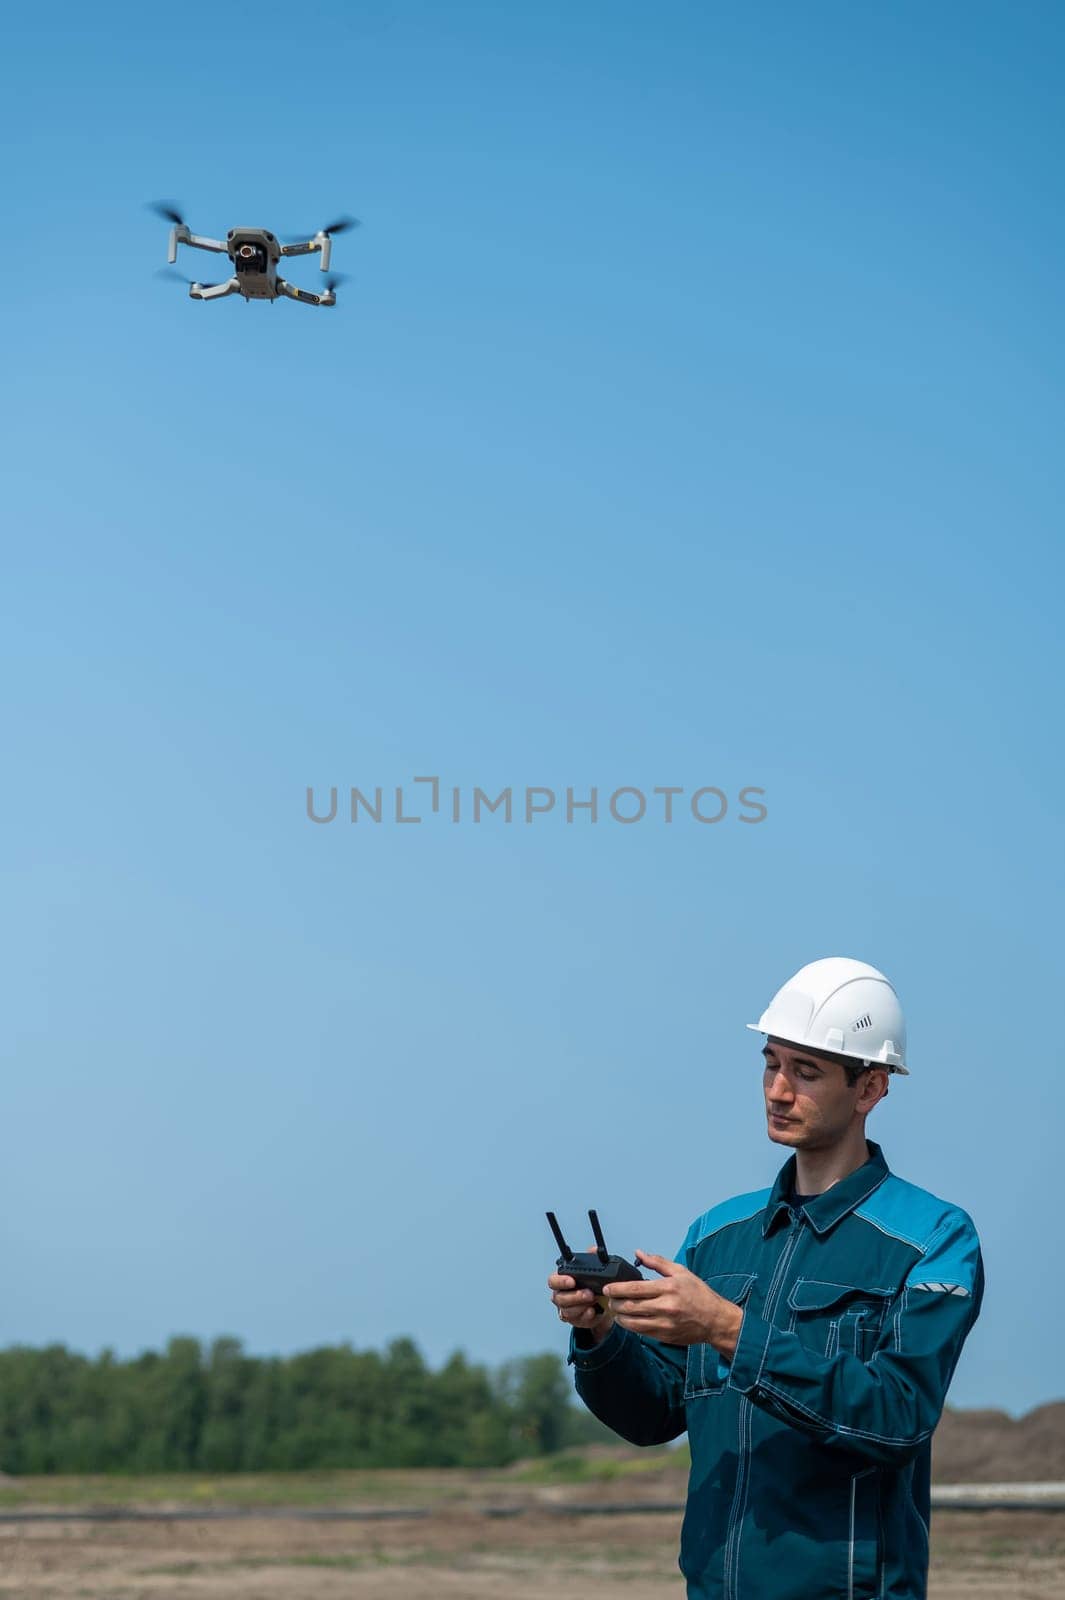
(214, 291)
(305, 296)
(307, 247)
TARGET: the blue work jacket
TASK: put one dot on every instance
(811, 1448)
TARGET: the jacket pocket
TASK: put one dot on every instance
(707, 1370)
(833, 1317)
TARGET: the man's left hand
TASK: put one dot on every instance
(675, 1308)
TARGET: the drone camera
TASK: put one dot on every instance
(250, 258)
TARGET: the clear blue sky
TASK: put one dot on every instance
(692, 417)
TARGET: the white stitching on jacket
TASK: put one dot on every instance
(850, 1548)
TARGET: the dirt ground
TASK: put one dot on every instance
(460, 1554)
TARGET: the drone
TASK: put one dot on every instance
(255, 253)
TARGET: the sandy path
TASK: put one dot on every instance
(461, 1556)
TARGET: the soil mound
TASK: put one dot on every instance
(993, 1447)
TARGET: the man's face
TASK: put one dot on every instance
(809, 1104)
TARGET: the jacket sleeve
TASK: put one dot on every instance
(634, 1385)
(885, 1408)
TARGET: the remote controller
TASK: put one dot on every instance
(591, 1269)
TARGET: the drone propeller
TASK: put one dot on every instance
(172, 272)
(341, 225)
(335, 279)
(168, 211)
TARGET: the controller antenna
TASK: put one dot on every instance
(563, 1248)
(600, 1243)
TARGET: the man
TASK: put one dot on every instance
(805, 1335)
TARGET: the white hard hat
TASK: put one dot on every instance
(845, 1007)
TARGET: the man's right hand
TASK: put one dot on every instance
(578, 1307)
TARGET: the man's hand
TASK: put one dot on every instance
(578, 1307)
(675, 1308)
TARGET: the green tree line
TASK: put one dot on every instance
(215, 1408)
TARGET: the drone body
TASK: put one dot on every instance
(255, 253)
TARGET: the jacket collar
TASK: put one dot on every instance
(826, 1209)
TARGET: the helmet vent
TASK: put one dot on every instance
(863, 1022)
